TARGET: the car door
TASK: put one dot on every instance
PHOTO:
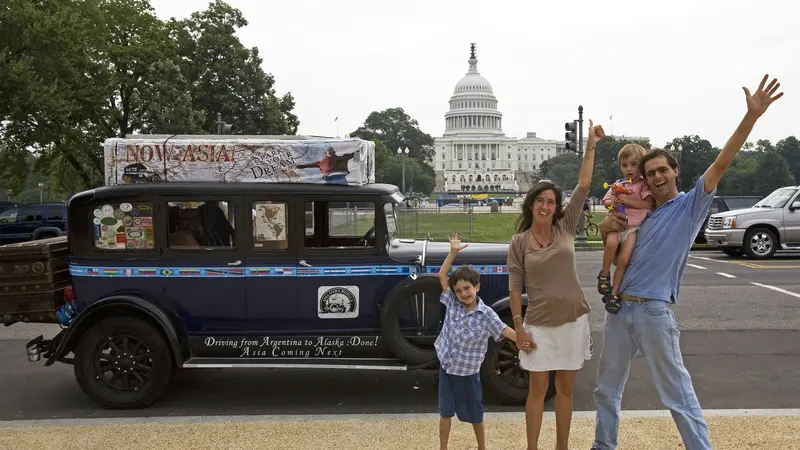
(791, 221)
(271, 283)
(203, 263)
(28, 220)
(8, 227)
(337, 265)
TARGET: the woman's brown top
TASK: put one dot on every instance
(554, 293)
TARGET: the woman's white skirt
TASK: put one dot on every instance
(564, 347)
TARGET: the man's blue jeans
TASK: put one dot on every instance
(650, 327)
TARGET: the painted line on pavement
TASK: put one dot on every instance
(705, 258)
(774, 288)
(633, 414)
(696, 266)
(726, 275)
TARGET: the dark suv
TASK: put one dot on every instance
(30, 222)
(722, 203)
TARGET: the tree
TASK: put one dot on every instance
(694, 159)
(227, 78)
(73, 74)
(563, 170)
(396, 129)
(771, 173)
(789, 148)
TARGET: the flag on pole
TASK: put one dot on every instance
(336, 119)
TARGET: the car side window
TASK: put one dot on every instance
(199, 225)
(31, 214)
(741, 203)
(8, 216)
(56, 213)
(270, 225)
(123, 226)
(714, 206)
(338, 224)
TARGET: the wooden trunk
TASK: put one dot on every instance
(33, 277)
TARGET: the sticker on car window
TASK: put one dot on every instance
(118, 229)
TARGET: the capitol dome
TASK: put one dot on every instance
(473, 106)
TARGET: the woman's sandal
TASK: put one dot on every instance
(612, 303)
(603, 284)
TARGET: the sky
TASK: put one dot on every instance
(660, 69)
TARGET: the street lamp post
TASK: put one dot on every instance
(41, 192)
(677, 154)
(581, 238)
(400, 152)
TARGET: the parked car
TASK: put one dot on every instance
(722, 203)
(168, 276)
(32, 221)
(758, 232)
(5, 204)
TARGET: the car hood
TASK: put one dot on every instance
(406, 251)
(739, 212)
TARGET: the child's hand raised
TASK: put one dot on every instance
(455, 243)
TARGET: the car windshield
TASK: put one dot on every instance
(777, 199)
(391, 220)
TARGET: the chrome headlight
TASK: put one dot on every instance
(729, 222)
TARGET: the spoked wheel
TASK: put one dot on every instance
(411, 319)
(502, 374)
(592, 229)
(123, 363)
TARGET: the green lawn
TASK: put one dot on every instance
(477, 227)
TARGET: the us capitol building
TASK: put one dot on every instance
(474, 155)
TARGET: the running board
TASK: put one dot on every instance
(790, 247)
(292, 363)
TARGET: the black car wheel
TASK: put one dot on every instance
(123, 362)
(411, 319)
(503, 376)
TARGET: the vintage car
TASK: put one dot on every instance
(174, 276)
(294, 265)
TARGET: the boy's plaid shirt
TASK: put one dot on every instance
(464, 339)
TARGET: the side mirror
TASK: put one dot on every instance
(795, 205)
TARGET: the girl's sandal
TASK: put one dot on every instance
(612, 303)
(603, 284)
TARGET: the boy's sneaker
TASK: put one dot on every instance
(612, 303)
(603, 283)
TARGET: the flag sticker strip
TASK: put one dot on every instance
(262, 271)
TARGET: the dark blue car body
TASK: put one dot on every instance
(172, 276)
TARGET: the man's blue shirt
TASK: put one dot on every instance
(663, 243)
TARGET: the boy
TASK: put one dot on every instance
(637, 205)
(461, 346)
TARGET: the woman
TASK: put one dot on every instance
(554, 334)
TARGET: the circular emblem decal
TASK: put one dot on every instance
(337, 300)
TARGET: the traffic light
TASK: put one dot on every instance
(571, 136)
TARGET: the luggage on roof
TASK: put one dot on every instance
(239, 159)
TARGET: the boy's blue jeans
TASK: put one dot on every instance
(650, 327)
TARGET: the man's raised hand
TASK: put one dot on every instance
(759, 102)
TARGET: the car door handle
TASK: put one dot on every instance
(235, 263)
(304, 263)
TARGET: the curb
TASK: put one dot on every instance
(598, 247)
(550, 415)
